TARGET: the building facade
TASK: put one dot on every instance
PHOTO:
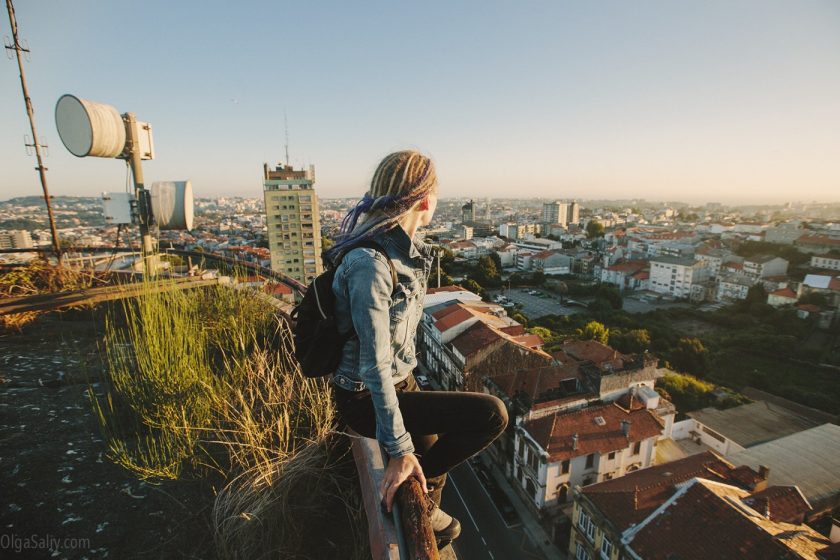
(16, 239)
(675, 275)
(294, 229)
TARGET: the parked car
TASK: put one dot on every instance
(423, 381)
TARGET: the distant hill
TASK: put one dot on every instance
(35, 200)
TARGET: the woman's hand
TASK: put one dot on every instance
(397, 472)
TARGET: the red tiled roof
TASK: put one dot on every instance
(642, 275)
(544, 254)
(707, 521)
(456, 317)
(629, 266)
(734, 265)
(592, 351)
(784, 292)
(529, 340)
(475, 338)
(627, 500)
(445, 289)
(513, 330)
(834, 284)
(538, 383)
(554, 433)
(277, 289)
(817, 240)
(780, 503)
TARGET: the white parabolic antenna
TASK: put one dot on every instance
(172, 204)
(88, 128)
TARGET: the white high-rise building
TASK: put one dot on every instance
(294, 229)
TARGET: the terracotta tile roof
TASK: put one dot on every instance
(809, 307)
(529, 340)
(730, 528)
(817, 240)
(627, 500)
(475, 338)
(455, 317)
(642, 275)
(780, 503)
(541, 383)
(544, 254)
(628, 266)
(554, 433)
(277, 289)
(445, 289)
(834, 284)
(595, 352)
(514, 330)
(784, 292)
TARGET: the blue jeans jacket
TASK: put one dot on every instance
(382, 352)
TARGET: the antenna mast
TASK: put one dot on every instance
(286, 122)
(42, 171)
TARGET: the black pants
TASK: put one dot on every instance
(446, 428)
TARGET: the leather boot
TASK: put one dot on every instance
(446, 527)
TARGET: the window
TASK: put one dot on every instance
(563, 493)
(532, 461)
(581, 553)
(611, 456)
(531, 488)
(586, 525)
(590, 460)
(606, 548)
(637, 448)
(564, 467)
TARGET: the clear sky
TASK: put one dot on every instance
(708, 100)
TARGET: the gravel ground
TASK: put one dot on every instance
(62, 498)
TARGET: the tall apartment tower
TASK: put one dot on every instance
(555, 213)
(573, 215)
(294, 229)
(468, 213)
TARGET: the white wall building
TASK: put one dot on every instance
(555, 453)
(675, 275)
(828, 262)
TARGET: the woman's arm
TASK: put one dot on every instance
(369, 290)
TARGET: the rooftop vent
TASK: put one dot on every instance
(600, 421)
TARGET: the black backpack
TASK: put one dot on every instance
(318, 344)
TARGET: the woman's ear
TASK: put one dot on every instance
(424, 203)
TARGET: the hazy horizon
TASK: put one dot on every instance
(708, 102)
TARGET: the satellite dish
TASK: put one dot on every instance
(88, 128)
(172, 204)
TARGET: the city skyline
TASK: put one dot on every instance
(712, 102)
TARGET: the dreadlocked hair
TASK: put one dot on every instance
(401, 180)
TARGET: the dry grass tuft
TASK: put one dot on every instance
(202, 383)
(39, 276)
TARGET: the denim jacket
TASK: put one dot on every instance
(382, 352)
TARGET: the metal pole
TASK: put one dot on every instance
(42, 171)
(134, 159)
(438, 267)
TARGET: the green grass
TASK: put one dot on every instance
(202, 384)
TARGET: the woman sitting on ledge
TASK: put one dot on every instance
(424, 433)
